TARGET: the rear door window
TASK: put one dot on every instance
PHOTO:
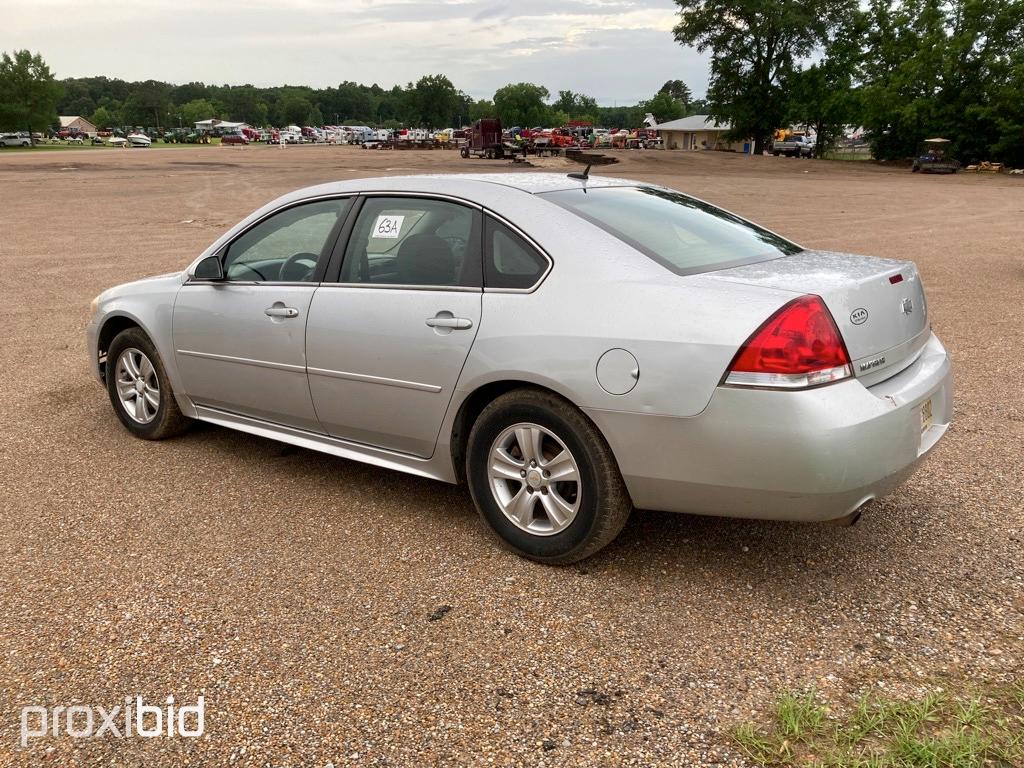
(414, 241)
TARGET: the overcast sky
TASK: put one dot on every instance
(619, 51)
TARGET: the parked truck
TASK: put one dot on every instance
(484, 139)
(795, 145)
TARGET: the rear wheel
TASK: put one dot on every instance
(140, 390)
(543, 478)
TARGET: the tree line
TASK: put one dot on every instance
(433, 101)
(904, 70)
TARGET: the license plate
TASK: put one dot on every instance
(926, 415)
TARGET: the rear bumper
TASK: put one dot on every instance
(817, 454)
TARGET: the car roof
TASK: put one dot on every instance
(467, 185)
(534, 182)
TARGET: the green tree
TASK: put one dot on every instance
(620, 117)
(197, 110)
(937, 68)
(149, 104)
(102, 118)
(433, 102)
(350, 103)
(390, 105)
(480, 109)
(243, 104)
(663, 107)
(521, 104)
(555, 117)
(577, 106)
(28, 92)
(78, 98)
(183, 94)
(294, 109)
(678, 91)
(698, 107)
(754, 45)
(823, 94)
(1004, 111)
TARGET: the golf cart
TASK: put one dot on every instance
(933, 157)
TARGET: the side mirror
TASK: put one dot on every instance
(209, 268)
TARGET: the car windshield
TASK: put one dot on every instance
(679, 232)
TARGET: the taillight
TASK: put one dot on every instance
(797, 347)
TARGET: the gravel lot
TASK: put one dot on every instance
(295, 591)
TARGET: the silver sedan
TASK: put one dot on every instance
(570, 347)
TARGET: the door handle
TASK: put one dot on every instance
(458, 323)
(276, 311)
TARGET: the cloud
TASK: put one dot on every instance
(616, 50)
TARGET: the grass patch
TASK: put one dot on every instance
(966, 729)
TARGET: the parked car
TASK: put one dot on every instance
(793, 146)
(233, 138)
(540, 355)
(14, 140)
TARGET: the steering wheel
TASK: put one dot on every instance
(298, 268)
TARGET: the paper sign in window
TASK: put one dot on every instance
(387, 227)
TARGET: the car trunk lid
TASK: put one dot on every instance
(878, 304)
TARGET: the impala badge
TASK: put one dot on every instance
(908, 306)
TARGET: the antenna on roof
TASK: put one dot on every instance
(582, 176)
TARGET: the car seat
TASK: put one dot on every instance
(425, 260)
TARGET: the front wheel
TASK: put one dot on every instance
(140, 390)
(543, 478)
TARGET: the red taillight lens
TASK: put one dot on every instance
(799, 346)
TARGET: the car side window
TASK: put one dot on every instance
(287, 246)
(414, 241)
(509, 261)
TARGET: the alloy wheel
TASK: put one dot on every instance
(534, 479)
(138, 387)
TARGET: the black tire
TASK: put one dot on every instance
(168, 421)
(604, 503)
(464, 152)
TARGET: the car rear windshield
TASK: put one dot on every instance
(681, 233)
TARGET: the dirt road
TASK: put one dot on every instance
(293, 590)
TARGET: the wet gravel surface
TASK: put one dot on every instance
(333, 613)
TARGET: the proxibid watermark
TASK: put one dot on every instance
(134, 718)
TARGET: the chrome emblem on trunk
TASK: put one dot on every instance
(858, 316)
(907, 306)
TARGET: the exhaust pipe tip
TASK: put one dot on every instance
(850, 520)
(846, 522)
